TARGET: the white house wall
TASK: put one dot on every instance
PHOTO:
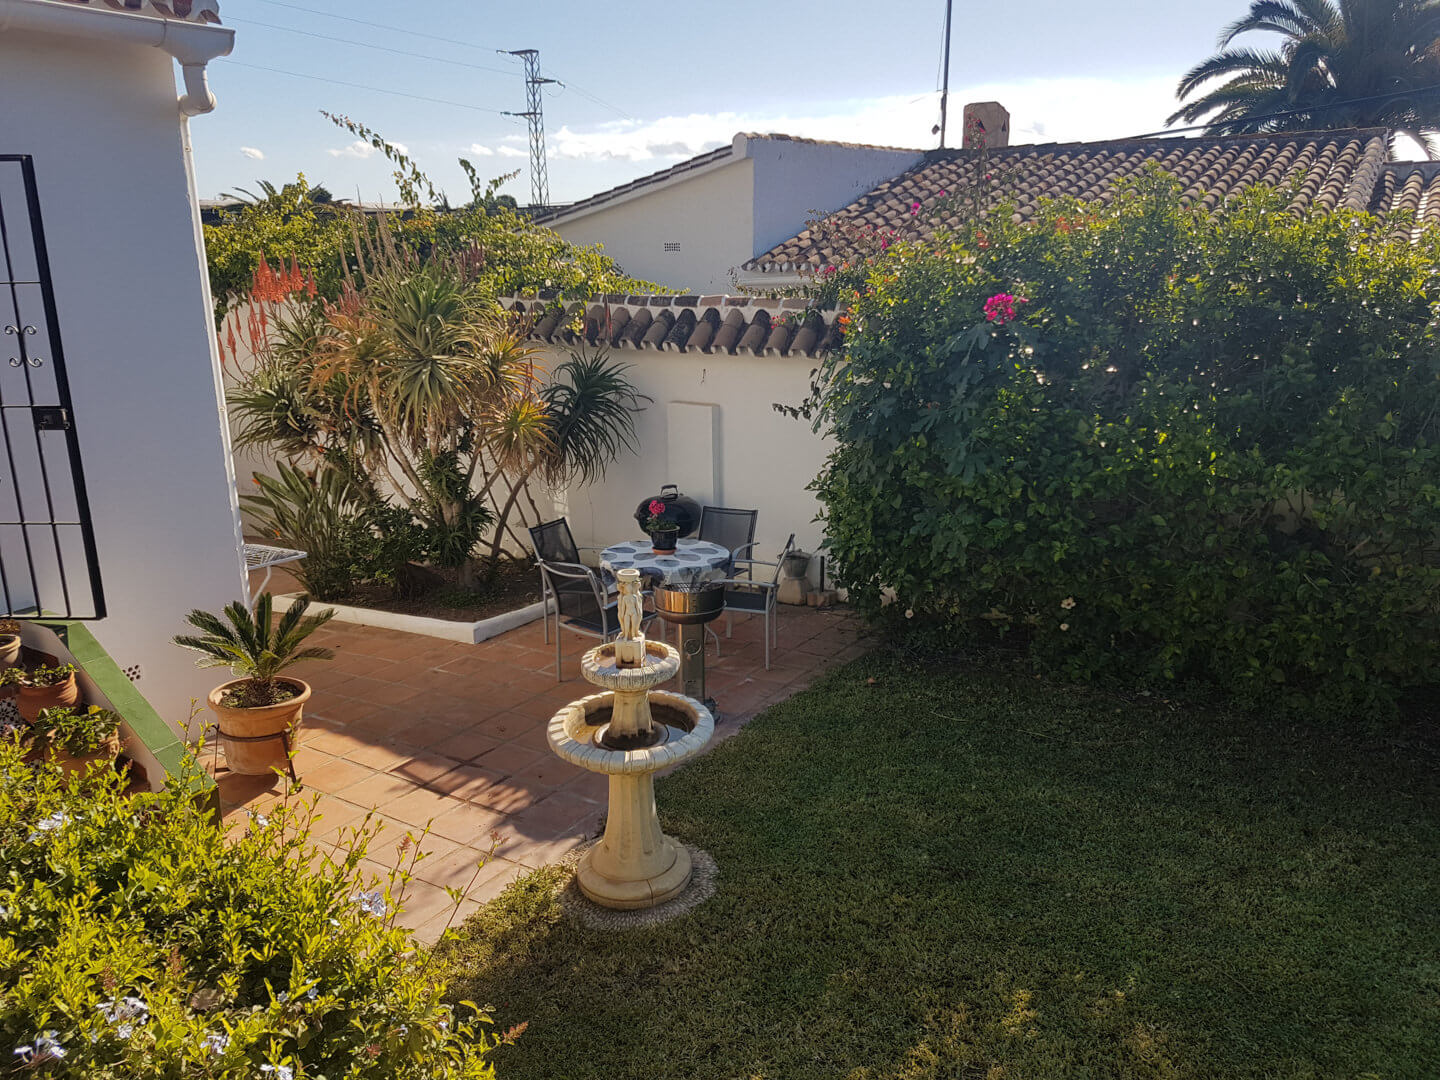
(133, 303)
(762, 460)
(709, 215)
(795, 180)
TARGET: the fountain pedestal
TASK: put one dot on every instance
(629, 733)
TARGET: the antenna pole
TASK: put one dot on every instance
(945, 91)
(535, 114)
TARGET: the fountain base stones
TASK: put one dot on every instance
(699, 888)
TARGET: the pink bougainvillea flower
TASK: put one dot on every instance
(914, 208)
(1000, 308)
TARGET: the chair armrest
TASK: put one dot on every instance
(755, 562)
(744, 583)
(734, 555)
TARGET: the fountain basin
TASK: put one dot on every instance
(634, 865)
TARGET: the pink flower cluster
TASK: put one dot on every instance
(656, 507)
(1000, 308)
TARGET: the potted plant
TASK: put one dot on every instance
(74, 738)
(663, 531)
(257, 711)
(9, 644)
(47, 686)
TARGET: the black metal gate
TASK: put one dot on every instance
(47, 547)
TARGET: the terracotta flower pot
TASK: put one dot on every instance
(31, 699)
(249, 735)
(108, 752)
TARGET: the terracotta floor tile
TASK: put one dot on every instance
(380, 790)
(549, 770)
(509, 695)
(508, 758)
(418, 806)
(509, 725)
(382, 755)
(588, 785)
(237, 788)
(335, 776)
(422, 902)
(467, 824)
(535, 856)
(333, 815)
(424, 768)
(466, 745)
(458, 868)
(431, 932)
(510, 795)
(557, 813)
(338, 743)
(463, 780)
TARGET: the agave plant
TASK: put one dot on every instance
(255, 646)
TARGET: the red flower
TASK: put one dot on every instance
(1000, 308)
(656, 507)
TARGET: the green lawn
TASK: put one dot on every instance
(989, 877)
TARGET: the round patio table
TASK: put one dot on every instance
(692, 560)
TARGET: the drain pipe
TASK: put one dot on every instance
(192, 44)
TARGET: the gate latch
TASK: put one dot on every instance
(51, 418)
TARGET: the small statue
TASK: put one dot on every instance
(630, 648)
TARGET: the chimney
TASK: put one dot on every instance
(987, 123)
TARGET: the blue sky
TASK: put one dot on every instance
(644, 87)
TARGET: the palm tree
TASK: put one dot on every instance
(1341, 63)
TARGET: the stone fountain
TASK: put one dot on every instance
(629, 732)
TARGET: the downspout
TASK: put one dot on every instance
(192, 44)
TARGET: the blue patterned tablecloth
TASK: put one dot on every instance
(693, 560)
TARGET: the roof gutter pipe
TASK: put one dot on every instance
(192, 44)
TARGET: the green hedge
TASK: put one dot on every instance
(135, 942)
(1204, 450)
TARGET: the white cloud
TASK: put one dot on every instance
(252, 153)
(511, 151)
(362, 150)
(1050, 110)
(481, 151)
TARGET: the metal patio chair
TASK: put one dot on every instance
(757, 597)
(582, 604)
(555, 544)
(732, 529)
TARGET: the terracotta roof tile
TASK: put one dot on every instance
(206, 11)
(1334, 169)
(1412, 186)
(758, 326)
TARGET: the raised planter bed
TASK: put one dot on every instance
(447, 629)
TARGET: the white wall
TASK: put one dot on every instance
(102, 124)
(708, 214)
(763, 460)
(794, 179)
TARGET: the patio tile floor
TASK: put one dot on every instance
(422, 732)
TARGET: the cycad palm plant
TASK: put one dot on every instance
(1341, 63)
(255, 646)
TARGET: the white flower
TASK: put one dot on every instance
(50, 824)
(1064, 626)
(216, 1042)
(312, 993)
(282, 1072)
(909, 614)
(1068, 603)
(371, 903)
(259, 819)
(126, 1014)
(283, 996)
(45, 1048)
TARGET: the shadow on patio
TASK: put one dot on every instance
(430, 732)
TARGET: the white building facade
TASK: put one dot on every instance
(690, 226)
(94, 138)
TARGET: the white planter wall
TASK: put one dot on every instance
(112, 167)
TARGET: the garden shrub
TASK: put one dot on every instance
(1151, 442)
(135, 942)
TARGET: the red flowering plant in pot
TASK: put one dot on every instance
(663, 532)
(257, 711)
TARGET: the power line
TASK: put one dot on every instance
(362, 86)
(1292, 112)
(368, 45)
(376, 25)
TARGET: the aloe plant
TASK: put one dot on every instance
(255, 646)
